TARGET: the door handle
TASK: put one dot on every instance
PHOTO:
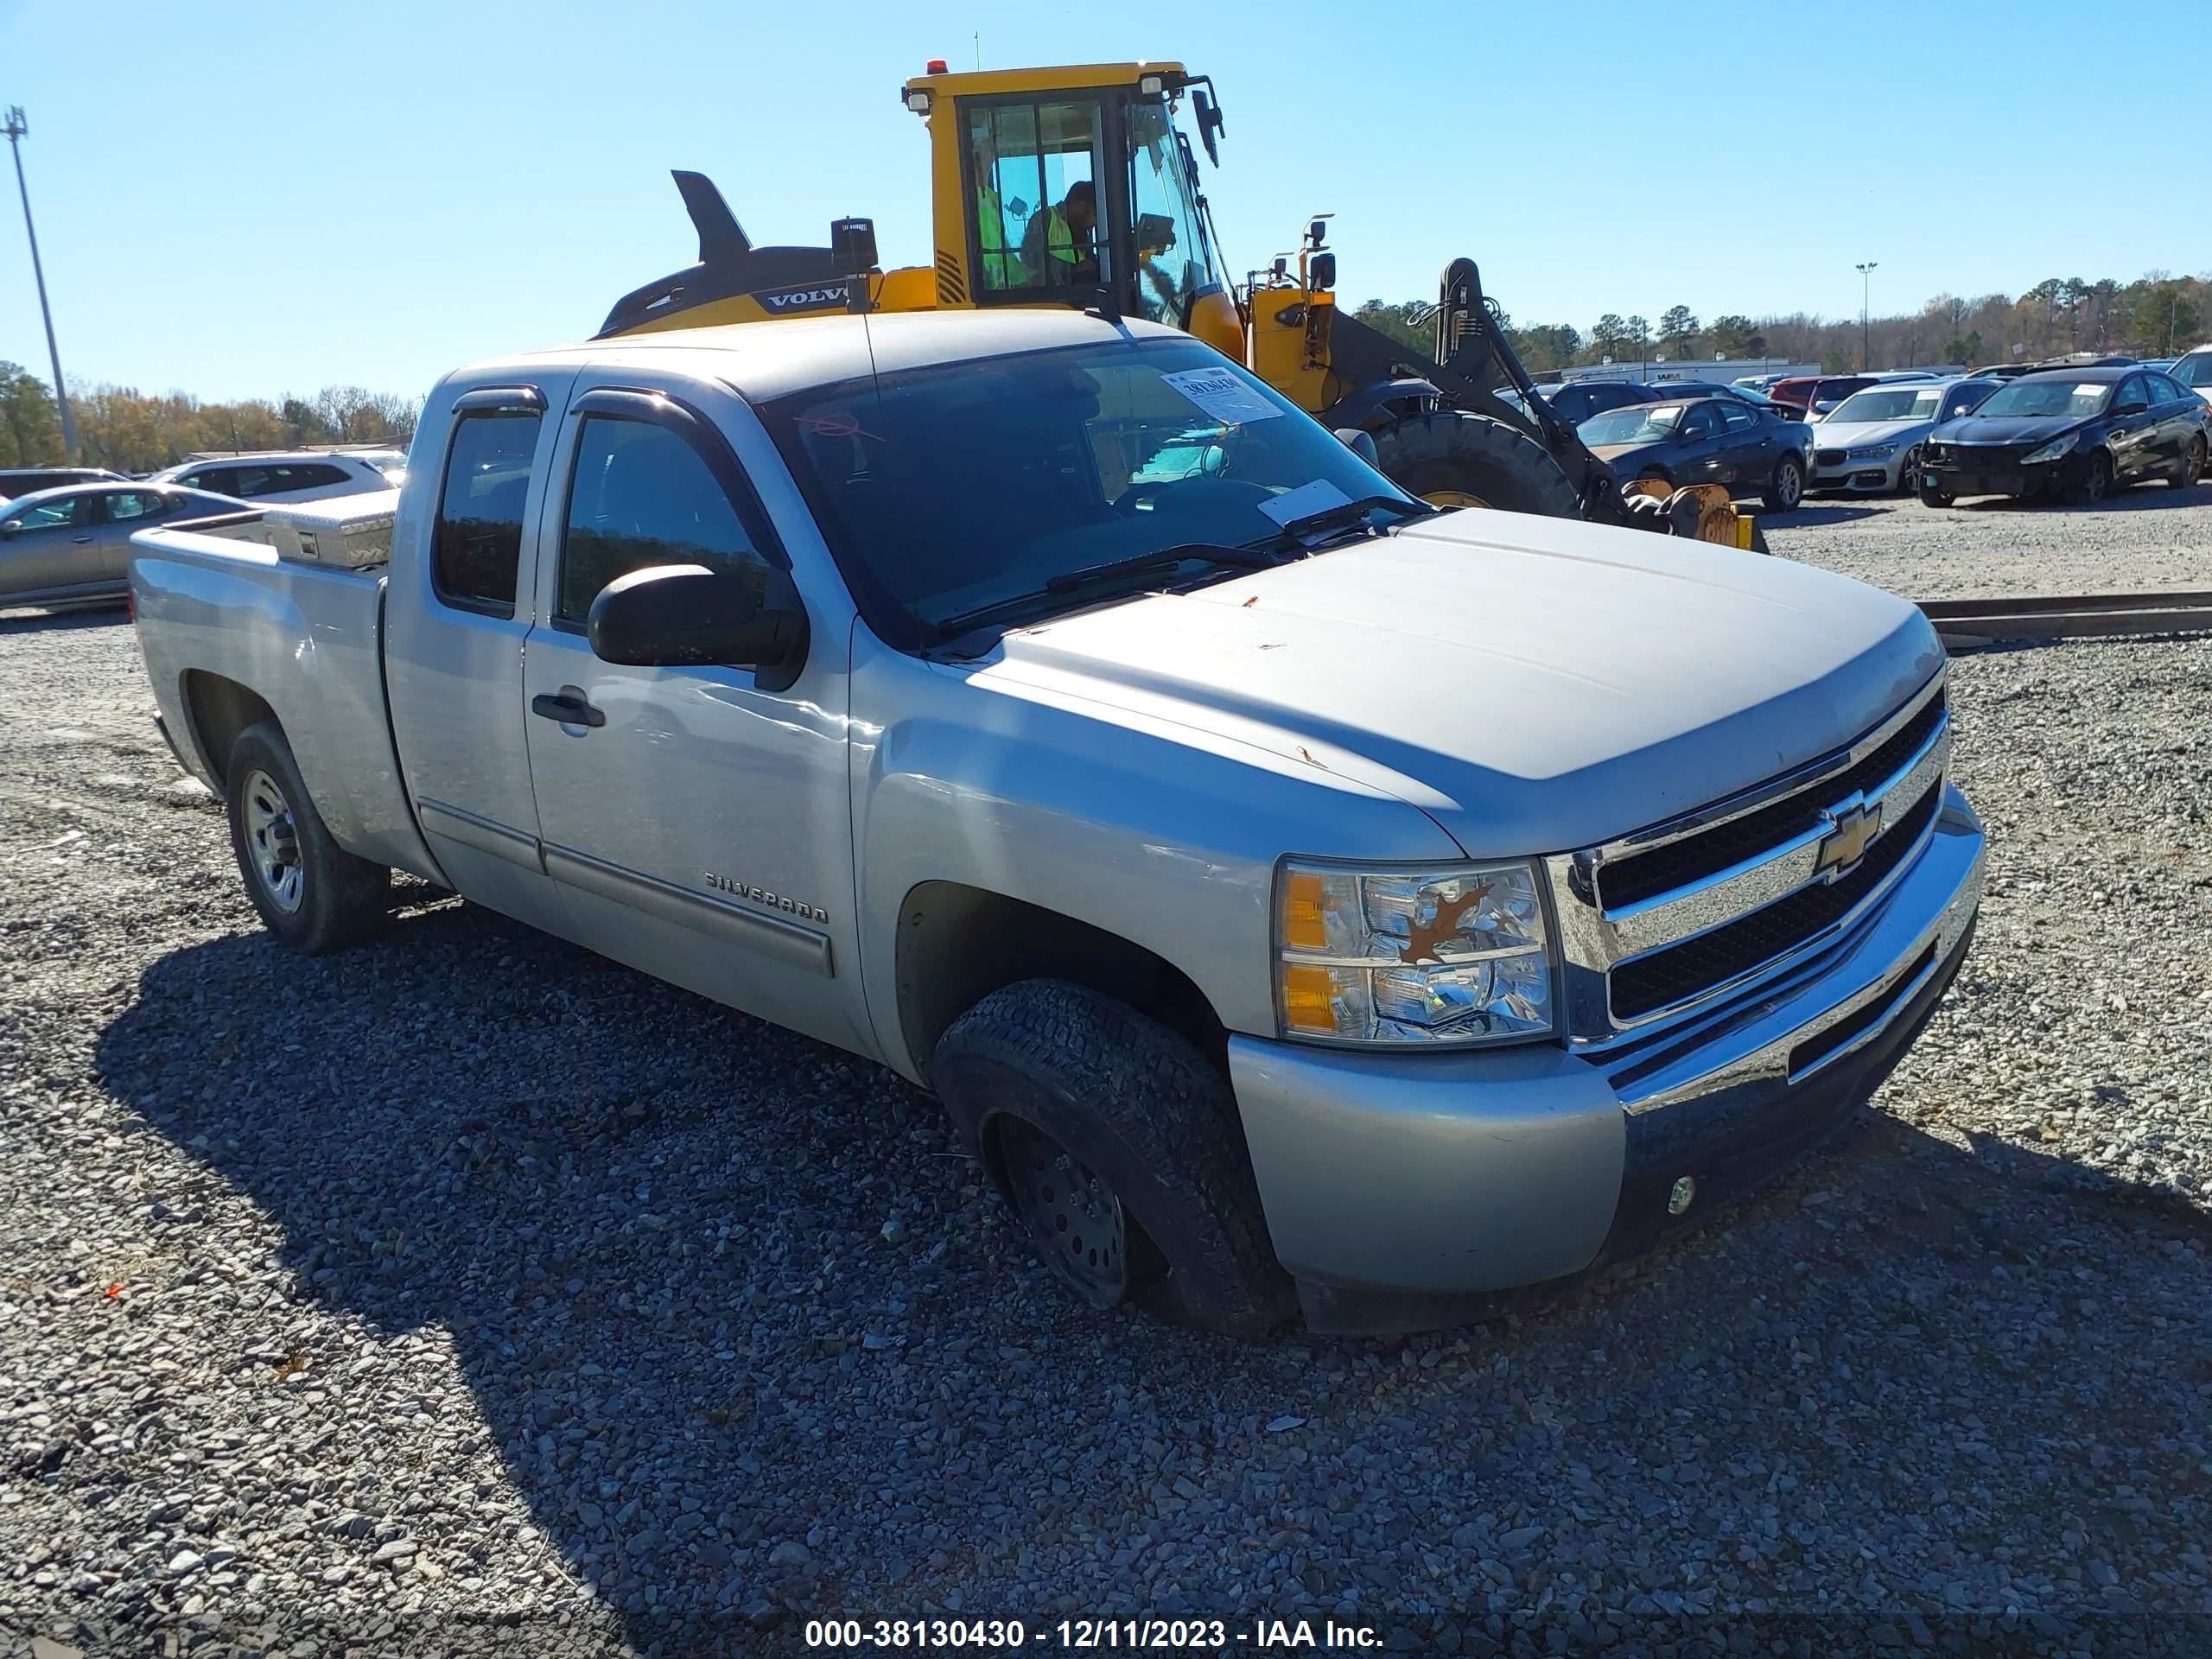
(82, 541)
(569, 708)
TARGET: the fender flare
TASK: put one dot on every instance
(1363, 405)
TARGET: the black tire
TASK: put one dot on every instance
(2096, 482)
(1138, 1105)
(1933, 494)
(1786, 489)
(1451, 453)
(311, 893)
(1907, 471)
(2192, 465)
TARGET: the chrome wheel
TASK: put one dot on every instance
(1789, 484)
(1074, 1218)
(272, 842)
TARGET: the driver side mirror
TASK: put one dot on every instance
(685, 615)
(12, 529)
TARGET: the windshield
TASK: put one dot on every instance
(949, 489)
(1637, 423)
(2194, 370)
(1889, 404)
(2047, 397)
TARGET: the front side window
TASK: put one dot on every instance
(1739, 416)
(477, 543)
(47, 515)
(1035, 170)
(1171, 260)
(2195, 371)
(1700, 422)
(640, 495)
(949, 489)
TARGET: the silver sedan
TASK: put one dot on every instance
(73, 545)
(1871, 442)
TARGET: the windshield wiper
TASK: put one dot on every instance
(1069, 582)
(1240, 558)
(1347, 512)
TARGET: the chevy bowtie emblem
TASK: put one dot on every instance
(1852, 827)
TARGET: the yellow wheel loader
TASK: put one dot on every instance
(1076, 187)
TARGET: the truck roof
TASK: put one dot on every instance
(771, 359)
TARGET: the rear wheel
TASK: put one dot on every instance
(2192, 465)
(1787, 487)
(310, 892)
(1452, 458)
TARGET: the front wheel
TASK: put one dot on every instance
(2096, 480)
(1453, 459)
(2192, 465)
(1118, 1148)
(1933, 494)
(1787, 487)
(310, 892)
(1908, 472)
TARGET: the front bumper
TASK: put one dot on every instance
(1404, 1191)
(1967, 476)
(1870, 476)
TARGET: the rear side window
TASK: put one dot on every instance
(477, 540)
(134, 503)
(1741, 417)
(640, 496)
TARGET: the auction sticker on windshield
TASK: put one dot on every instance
(1222, 395)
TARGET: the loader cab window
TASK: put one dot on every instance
(1036, 170)
(1171, 255)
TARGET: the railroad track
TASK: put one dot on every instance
(1970, 624)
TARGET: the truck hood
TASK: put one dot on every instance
(1533, 685)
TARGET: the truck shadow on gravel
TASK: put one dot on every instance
(753, 1341)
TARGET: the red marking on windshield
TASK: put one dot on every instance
(837, 426)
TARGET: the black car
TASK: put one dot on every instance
(23, 481)
(1580, 401)
(1706, 440)
(2069, 432)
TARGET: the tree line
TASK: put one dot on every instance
(129, 431)
(2156, 316)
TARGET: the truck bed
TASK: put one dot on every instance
(305, 639)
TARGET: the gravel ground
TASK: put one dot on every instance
(464, 1293)
(2146, 539)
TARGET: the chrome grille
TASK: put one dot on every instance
(1676, 917)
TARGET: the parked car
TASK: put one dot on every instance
(2002, 371)
(1578, 402)
(2072, 433)
(1871, 441)
(2194, 370)
(1707, 440)
(28, 480)
(2089, 360)
(1115, 802)
(72, 545)
(1677, 389)
(307, 475)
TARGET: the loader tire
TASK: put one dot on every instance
(1452, 459)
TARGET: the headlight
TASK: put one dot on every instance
(1433, 956)
(1874, 452)
(2058, 449)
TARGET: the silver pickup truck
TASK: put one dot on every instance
(1303, 900)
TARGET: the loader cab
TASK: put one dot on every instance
(1075, 187)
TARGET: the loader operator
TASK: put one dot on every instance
(1066, 235)
(1002, 266)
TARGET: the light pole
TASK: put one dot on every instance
(17, 127)
(1866, 336)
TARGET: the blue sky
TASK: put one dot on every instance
(246, 199)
